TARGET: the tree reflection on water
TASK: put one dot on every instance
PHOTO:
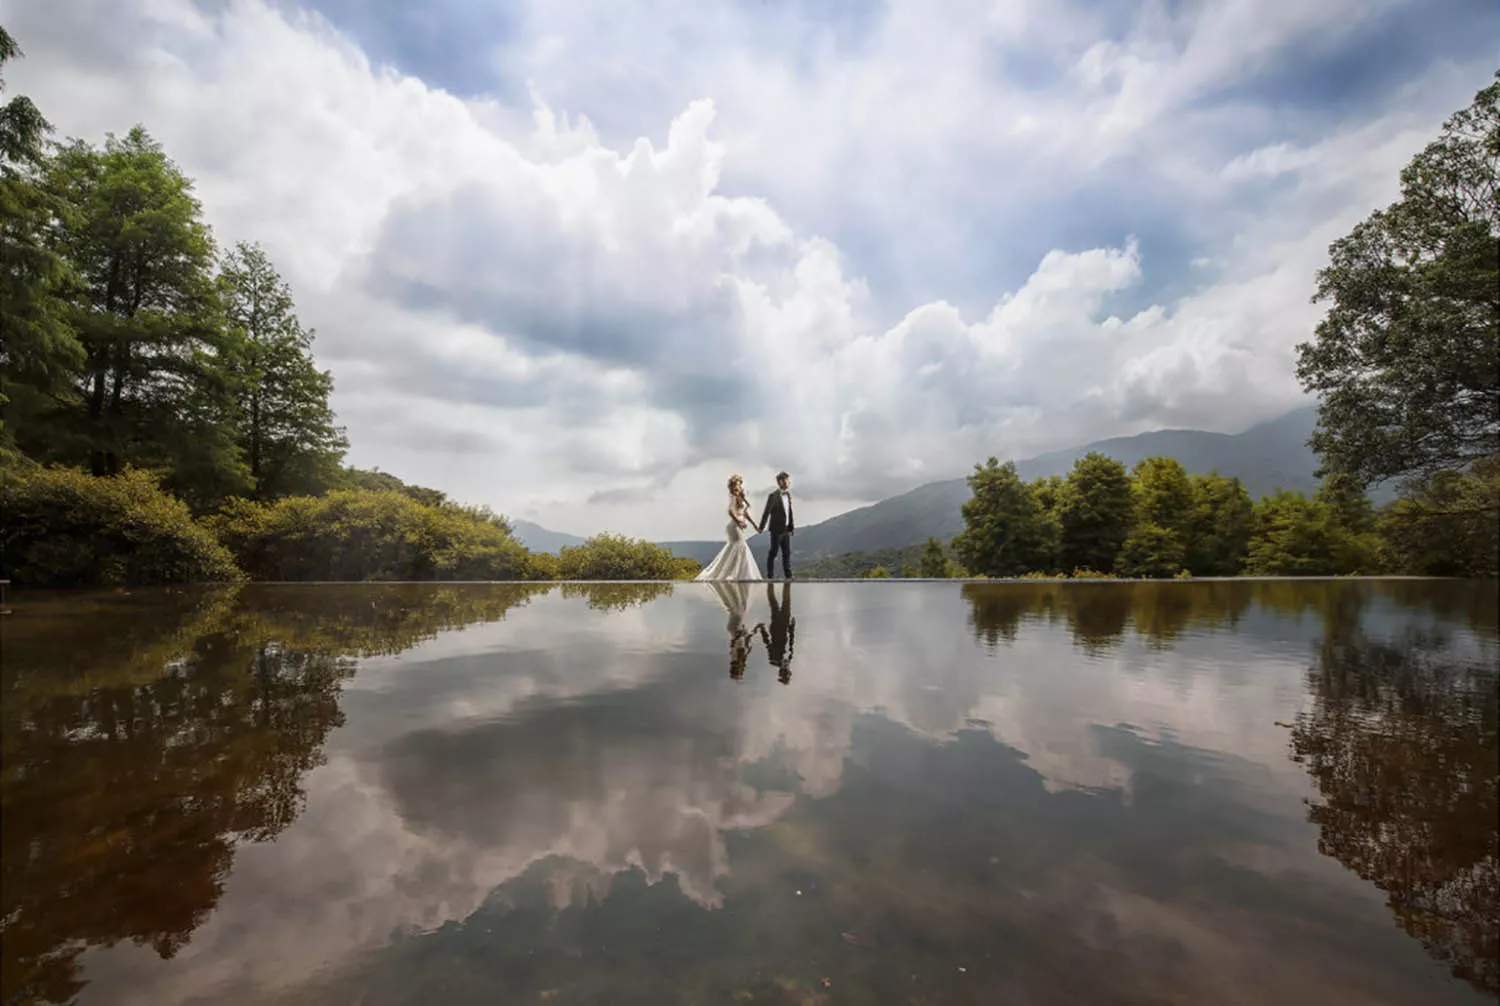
(172, 727)
(1401, 741)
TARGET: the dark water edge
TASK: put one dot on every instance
(1042, 791)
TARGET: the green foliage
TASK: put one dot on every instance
(1151, 552)
(1094, 513)
(1218, 528)
(1448, 525)
(1407, 360)
(910, 572)
(153, 388)
(376, 480)
(1206, 525)
(285, 428)
(1163, 494)
(935, 563)
(119, 347)
(1352, 516)
(1293, 536)
(878, 573)
(1048, 492)
(616, 557)
(1004, 533)
(39, 354)
(1082, 573)
(854, 565)
(358, 535)
(543, 566)
(62, 528)
(22, 127)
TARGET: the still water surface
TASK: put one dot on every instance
(1253, 792)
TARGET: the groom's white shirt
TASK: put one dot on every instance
(786, 505)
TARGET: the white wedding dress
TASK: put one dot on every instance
(734, 561)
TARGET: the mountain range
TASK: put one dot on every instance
(1268, 456)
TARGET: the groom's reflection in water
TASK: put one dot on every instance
(781, 640)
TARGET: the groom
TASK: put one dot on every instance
(777, 517)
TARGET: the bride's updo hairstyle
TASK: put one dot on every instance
(735, 480)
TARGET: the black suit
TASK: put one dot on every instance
(782, 525)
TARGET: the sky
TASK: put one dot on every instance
(579, 261)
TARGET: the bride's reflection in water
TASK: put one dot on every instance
(735, 596)
(781, 640)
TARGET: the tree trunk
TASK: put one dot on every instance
(98, 463)
(255, 442)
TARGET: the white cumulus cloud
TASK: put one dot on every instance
(588, 326)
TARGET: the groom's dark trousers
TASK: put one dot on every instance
(781, 541)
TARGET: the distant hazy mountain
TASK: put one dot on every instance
(1269, 456)
(539, 539)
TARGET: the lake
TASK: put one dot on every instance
(1043, 793)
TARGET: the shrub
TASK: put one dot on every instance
(878, 573)
(616, 557)
(935, 562)
(358, 534)
(1084, 573)
(1293, 536)
(542, 566)
(60, 527)
(1151, 551)
(1447, 525)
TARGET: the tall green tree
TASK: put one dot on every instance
(286, 429)
(39, 355)
(1218, 531)
(1407, 360)
(935, 563)
(154, 388)
(1002, 534)
(1095, 512)
(1292, 536)
(1352, 517)
(1163, 493)
(23, 128)
(1049, 492)
(1157, 544)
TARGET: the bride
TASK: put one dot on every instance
(734, 561)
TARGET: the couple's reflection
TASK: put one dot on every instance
(779, 639)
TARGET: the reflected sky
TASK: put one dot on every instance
(1046, 793)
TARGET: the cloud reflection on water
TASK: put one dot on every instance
(1120, 747)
